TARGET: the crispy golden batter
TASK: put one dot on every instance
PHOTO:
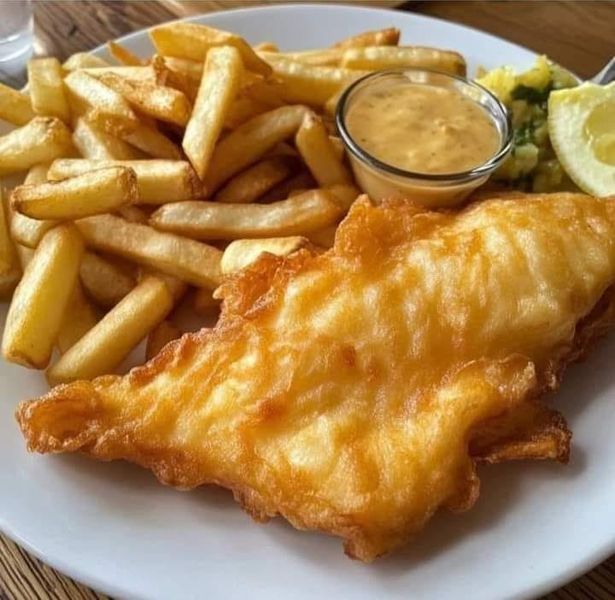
(348, 391)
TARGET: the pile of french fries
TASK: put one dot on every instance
(147, 179)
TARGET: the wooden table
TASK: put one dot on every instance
(579, 35)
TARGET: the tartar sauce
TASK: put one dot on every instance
(422, 128)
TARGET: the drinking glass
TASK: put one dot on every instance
(16, 28)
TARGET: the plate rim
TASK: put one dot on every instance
(107, 587)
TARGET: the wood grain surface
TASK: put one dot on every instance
(579, 35)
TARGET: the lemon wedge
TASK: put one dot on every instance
(582, 130)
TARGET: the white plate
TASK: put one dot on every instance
(113, 527)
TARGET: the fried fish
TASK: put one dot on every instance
(353, 392)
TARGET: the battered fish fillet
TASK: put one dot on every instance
(352, 392)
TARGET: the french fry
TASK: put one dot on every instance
(193, 41)
(84, 60)
(251, 184)
(216, 221)
(79, 318)
(95, 144)
(46, 88)
(93, 193)
(327, 57)
(244, 109)
(42, 140)
(190, 69)
(323, 237)
(105, 107)
(193, 262)
(104, 346)
(241, 253)
(41, 298)
(150, 141)
(123, 55)
(154, 73)
(158, 101)
(266, 47)
(159, 337)
(204, 302)
(25, 230)
(176, 286)
(308, 84)
(316, 149)
(217, 91)
(301, 181)
(104, 282)
(380, 37)
(10, 270)
(15, 107)
(249, 142)
(158, 181)
(388, 57)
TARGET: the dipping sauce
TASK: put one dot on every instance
(422, 135)
(422, 128)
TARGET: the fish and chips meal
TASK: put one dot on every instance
(389, 266)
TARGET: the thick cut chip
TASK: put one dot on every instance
(47, 88)
(193, 41)
(42, 140)
(15, 107)
(217, 91)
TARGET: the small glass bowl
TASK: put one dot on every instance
(381, 180)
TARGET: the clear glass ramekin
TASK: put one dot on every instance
(381, 180)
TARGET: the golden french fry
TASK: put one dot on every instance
(104, 346)
(25, 230)
(249, 142)
(41, 298)
(283, 149)
(204, 302)
(244, 109)
(15, 107)
(105, 107)
(158, 101)
(84, 60)
(302, 181)
(217, 91)
(10, 270)
(42, 140)
(123, 54)
(380, 37)
(155, 73)
(388, 57)
(188, 260)
(318, 153)
(251, 184)
(47, 88)
(176, 286)
(79, 318)
(158, 181)
(105, 282)
(159, 337)
(150, 141)
(308, 84)
(190, 69)
(328, 57)
(216, 221)
(193, 41)
(241, 253)
(95, 144)
(266, 47)
(93, 193)
(323, 237)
